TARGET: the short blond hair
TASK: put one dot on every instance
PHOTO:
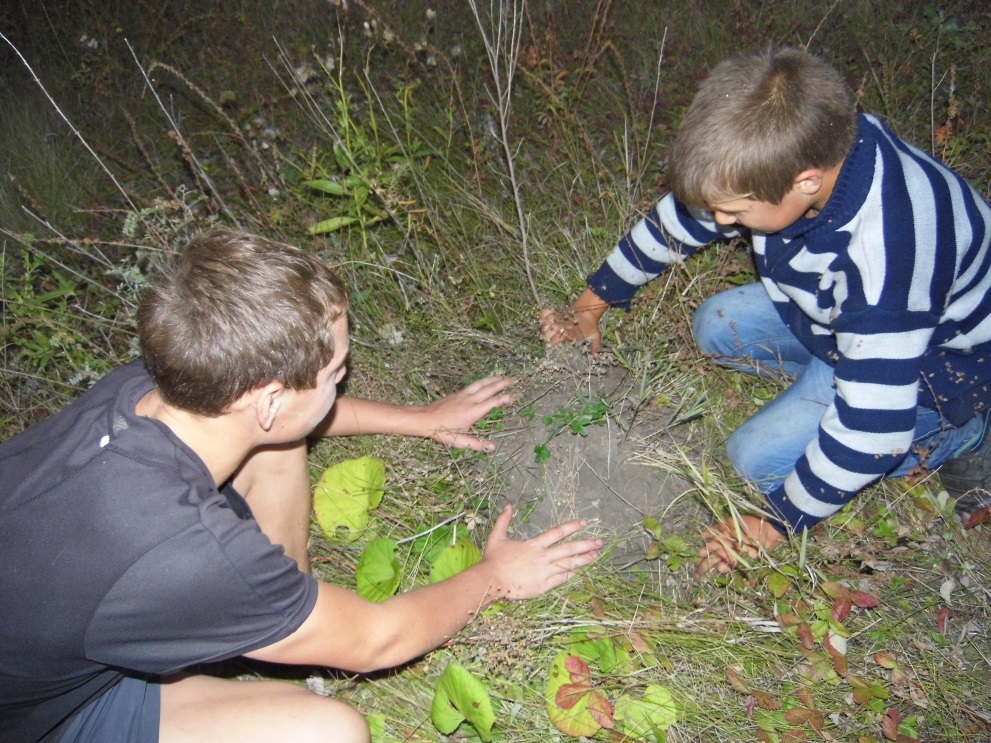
(233, 312)
(758, 121)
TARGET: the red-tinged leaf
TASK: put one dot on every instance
(841, 609)
(766, 700)
(805, 697)
(863, 599)
(794, 736)
(749, 706)
(889, 725)
(788, 620)
(944, 615)
(570, 694)
(977, 518)
(763, 736)
(886, 660)
(835, 590)
(805, 636)
(799, 715)
(734, 676)
(601, 710)
(578, 669)
(839, 660)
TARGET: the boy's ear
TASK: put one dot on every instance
(809, 182)
(268, 403)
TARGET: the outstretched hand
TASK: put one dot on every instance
(577, 323)
(731, 540)
(451, 417)
(525, 569)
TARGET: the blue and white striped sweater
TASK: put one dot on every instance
(890, 284)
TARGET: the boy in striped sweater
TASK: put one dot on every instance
(875, 293)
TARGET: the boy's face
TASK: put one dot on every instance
(807, 197)
(302, 410)
(762, 216)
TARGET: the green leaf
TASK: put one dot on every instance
(327, 186)
(649, 717)
(459, 697)
(778, 584)
(332, 225)
(541, 454)
(454, 559)
(378, 574)
(575, 721)
(346, 493)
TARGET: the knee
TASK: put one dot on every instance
(753, 457)
(349, 725)
(331, 720)
(712, 327)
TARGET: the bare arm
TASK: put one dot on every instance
(446, 420)
(580, 322)
(345, 631)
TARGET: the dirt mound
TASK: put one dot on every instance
(571, 449)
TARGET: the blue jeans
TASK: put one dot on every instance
(741, 329)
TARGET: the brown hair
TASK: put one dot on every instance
(233, 312)
(758, 121)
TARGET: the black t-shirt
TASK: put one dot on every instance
(118, 555)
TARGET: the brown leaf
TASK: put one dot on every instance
(885, 660)
(788, 620)
(598, 607)
(841, 609)
(794, 736)
(601, 710)
(835, 590)
(734, 676)
(749, 706)
(799, 715)
(805, 697)
(766, 700)
(805, 636)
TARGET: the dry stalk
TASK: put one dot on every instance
(501, 37)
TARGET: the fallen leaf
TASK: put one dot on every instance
(766, 700)
(942, 618)
(885, 660)
(805, 636)
(734, 675)
(841, 609)
(601, 710)
(863, 599)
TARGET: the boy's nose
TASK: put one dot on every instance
(723, 218)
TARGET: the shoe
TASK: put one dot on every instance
(967, 478)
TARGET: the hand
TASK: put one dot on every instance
(580, 322)
(452, 416)
(525, 569)
(725, 544)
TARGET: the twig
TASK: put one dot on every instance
(176, 135)
(502, 47)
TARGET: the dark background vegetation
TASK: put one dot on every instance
(454, 221)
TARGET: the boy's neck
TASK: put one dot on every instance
(829, 177)
(219, 441)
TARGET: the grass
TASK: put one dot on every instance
(490, 200)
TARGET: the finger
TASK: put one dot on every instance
(500, 529)
(561, 531)
(488, 385)
(577, 562)
(464, 441)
